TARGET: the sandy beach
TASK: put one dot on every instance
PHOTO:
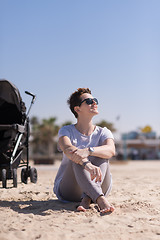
(32, 211)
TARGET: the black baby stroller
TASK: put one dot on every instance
(14, 135)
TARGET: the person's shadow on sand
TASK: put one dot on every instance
(43, 208)
(38, 207)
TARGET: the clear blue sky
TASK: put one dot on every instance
(52, 47)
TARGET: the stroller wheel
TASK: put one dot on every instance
(15, 177)
(4, 178)
(33, 175)
(24, 175)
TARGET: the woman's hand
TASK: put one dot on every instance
(94, 171)
(79, 154)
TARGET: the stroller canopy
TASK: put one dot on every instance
(11, 106)
(9, 93)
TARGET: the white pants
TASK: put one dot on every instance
(76, 182)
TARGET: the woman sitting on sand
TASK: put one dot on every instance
(84, 174)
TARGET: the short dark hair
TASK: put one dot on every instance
(75, 100)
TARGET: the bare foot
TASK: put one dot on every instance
(104, 205)
(84, 204)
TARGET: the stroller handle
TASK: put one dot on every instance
(31, 94)
(33, 99)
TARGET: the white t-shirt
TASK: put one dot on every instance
(81, 141)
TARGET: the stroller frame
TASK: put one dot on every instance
(13, 156)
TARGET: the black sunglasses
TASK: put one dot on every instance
(89, 101)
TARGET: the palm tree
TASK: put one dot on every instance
(43, 134)
(66, 123)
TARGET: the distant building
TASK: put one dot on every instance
(138, 146)
(137, 135)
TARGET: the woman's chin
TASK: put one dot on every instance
(95, 111)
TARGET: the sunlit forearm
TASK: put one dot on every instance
(104, 151)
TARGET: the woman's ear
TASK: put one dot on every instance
(76, 109)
